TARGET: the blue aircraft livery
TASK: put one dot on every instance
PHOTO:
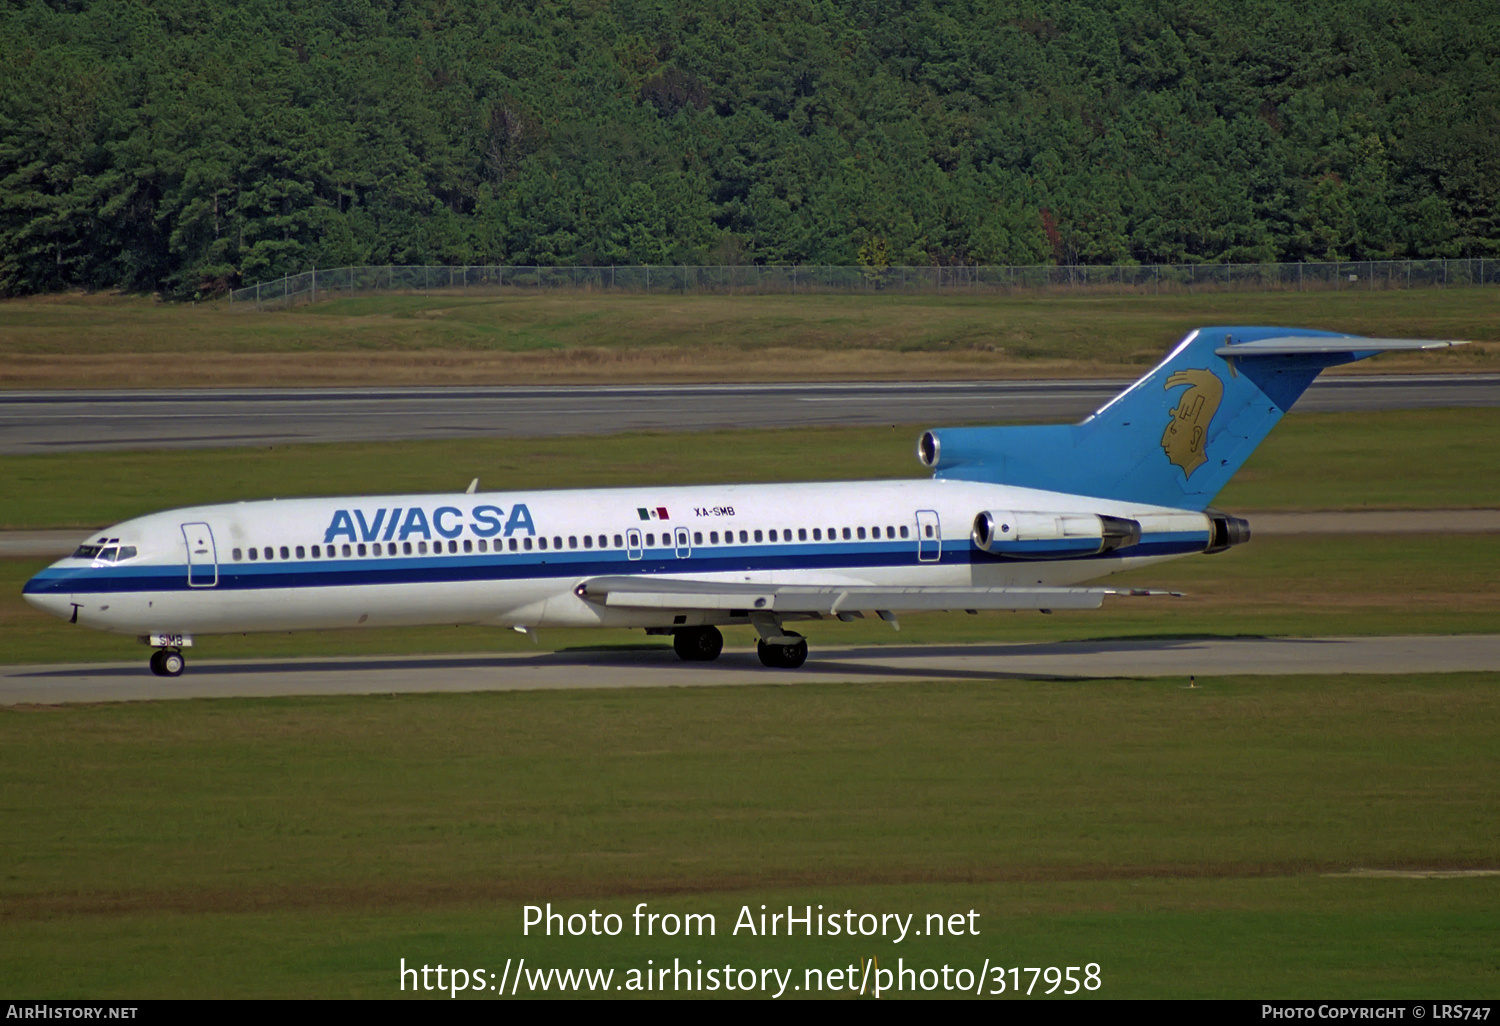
(1011, 518)
(484, 521)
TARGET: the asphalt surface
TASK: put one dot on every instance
(659, 667)
(36, 422)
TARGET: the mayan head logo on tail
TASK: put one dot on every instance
(1187, 431)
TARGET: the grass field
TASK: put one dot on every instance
(1414, 459)
(1179, 839)
(75, 341)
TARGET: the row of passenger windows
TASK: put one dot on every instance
(589, 541)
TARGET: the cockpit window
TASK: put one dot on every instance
(105, 553)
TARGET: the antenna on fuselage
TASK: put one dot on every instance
(473, 487)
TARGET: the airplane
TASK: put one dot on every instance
(1013, 517)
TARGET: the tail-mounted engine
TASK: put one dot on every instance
(1052, 535)
(1225, 531)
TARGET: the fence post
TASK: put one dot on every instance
(315, 283)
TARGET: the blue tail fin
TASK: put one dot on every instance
(1176, 436)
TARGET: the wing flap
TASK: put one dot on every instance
(830, 600)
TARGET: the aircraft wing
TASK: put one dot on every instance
(834, 599)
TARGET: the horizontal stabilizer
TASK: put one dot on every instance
(830, 600)
(1176, 436)
(1303, 345)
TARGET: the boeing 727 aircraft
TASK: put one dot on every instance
(1012, 518)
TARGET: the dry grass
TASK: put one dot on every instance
(582, 336)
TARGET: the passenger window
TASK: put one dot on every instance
(316, 552)
(453, 547)
(513, 545)
(713, 537)
(697, 537)
(903, 530)
(860, 534)
(802, 534)
(347, 551)
(301, 552)
(406, 548)
(619, 542)
(929, 530)
(484, 546)
(237, 555)
(773, 534)
(650, 540)
(744, 537)
(362, 549)
(817, 534)
(527, 542)
(421, 548)
(846, 533)
(376, 548)
(541, 542)
(588, 541)
(468, 545)
(253, 555)
(271, 553)
(285, 553)
(757, 536)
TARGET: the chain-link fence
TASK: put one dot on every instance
(311, 286)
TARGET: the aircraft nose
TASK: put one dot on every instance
(49, 595)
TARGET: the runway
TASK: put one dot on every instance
(657, 666)
(37, 422)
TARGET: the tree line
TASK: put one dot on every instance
(185, 146)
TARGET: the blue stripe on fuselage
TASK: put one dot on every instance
(507, 567)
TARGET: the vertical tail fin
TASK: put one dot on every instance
(1176, 436)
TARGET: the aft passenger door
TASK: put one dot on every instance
(203, 556)
(929, 536)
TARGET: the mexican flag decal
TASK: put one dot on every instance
(659, 513)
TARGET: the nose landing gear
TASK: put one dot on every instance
(167, 662)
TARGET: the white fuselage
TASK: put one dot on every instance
(514, 559)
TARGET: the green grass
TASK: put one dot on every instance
(1413, 459)
(302, 846)
(105, 341)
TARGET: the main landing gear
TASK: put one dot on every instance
(697, 644)
(782, 657)
(703, 645)
(167, 662)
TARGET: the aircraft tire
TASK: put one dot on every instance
(156, 666)
(783, 657)
(698, 644)
(172, 664)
